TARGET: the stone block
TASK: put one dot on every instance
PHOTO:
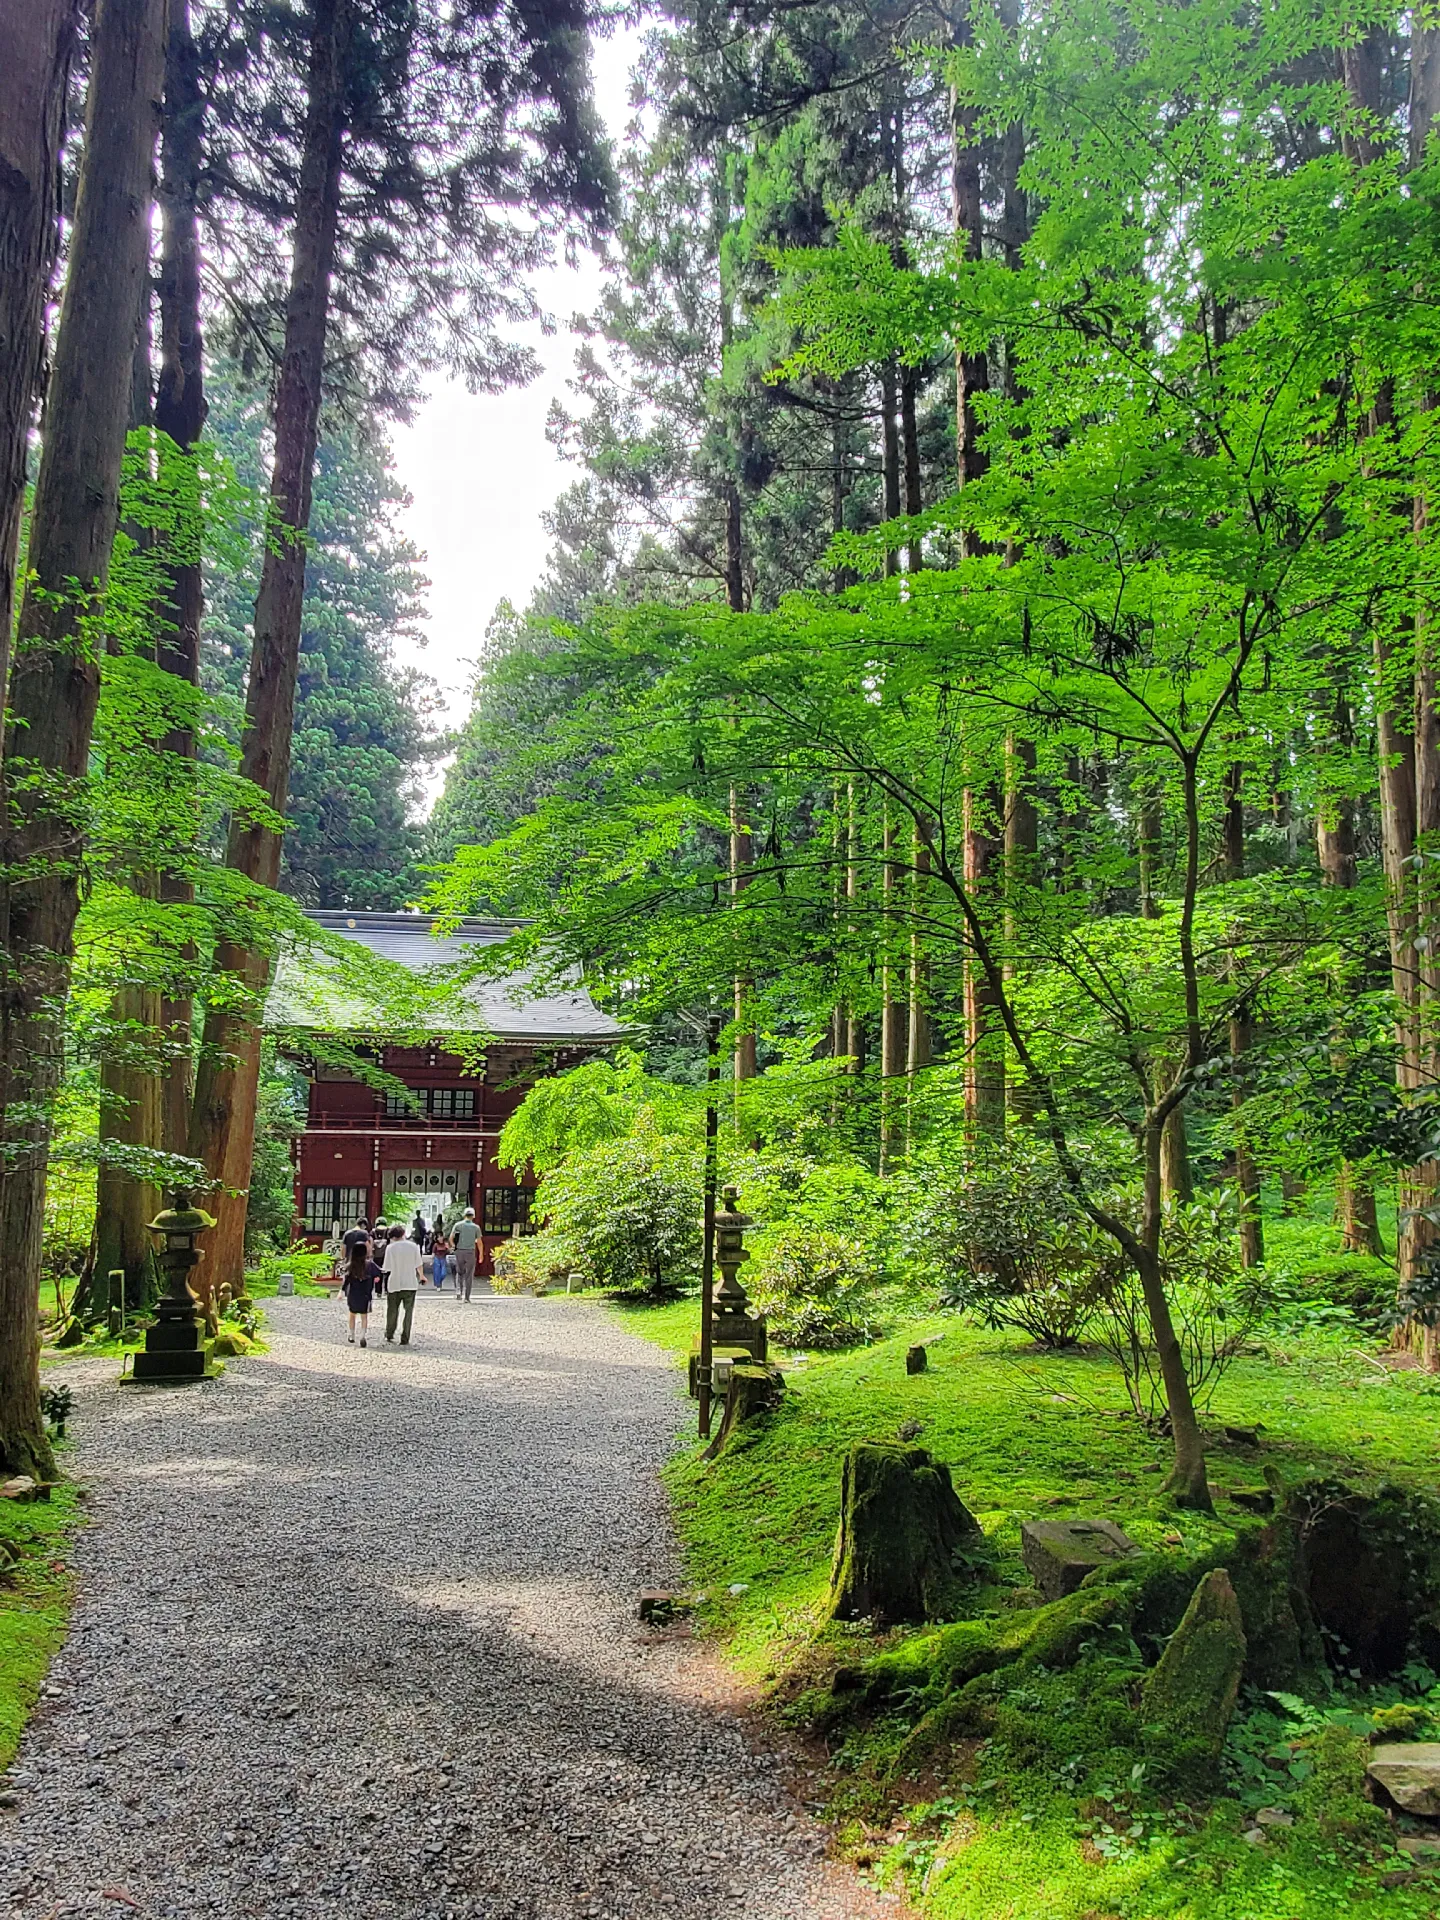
(1059, 1553)
(916, 1360)
(1409, 1771)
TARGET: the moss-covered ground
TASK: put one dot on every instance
(35, 1593)
(1015, 1827)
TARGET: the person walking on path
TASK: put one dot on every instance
(439, 1252)
(402, 1277)
(359, 1287)
(467, 1240)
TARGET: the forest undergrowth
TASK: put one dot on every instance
(1058, 1814)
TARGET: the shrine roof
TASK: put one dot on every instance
(323, 989)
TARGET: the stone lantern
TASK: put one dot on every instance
(732, 1325)
(175, 1342)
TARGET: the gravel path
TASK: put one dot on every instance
(357, 1637)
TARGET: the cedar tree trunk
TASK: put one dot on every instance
(180, 413)
(228, 1080)
(56, 678)
(39, 38)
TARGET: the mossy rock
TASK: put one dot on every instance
(230, 1344)
(1188, 1700)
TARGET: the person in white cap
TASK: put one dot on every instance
(466, 1241)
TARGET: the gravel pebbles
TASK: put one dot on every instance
(357, 1637)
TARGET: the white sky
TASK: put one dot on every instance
(480, 468)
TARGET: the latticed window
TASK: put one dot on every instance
(325, 1205)
(452, 1103)
(507, 1210)
(404, 1106)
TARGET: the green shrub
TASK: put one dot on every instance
(1315, 1290)
(817, 1287)
(535, 1260)
(1002, 1233)
(308, 1266)
(628, 1213)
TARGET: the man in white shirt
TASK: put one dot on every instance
(402, 1277)
(465, 1240)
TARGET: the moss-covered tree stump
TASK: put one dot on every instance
(901, 1526)
(1189, 1697)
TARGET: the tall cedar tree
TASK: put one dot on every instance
(56, 677)
(507, 86)
(38, 44)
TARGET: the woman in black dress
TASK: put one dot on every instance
(359, 1288)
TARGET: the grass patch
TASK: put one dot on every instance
(1027, 1435)
(35, 1598)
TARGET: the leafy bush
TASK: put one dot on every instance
(815, 1286)
(1215, 1303)
(536, 1260)
(1345, 1290)
(308, 1266)
(1002, 1233)
(628, 1213)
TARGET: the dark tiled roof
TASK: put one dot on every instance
(313, 991)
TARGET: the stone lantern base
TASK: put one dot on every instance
(174, 1348)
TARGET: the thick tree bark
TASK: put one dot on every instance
(129, 1077)
(1176, 1181)
(1355, 1213)
(985, 1037)
(972, 370)
(1232, 851)
(901, 1524)
(890, 453)
(1247, 1173)
(910, 464)
(227, 1083)
(180, 411)
(130, 1092)
(917, 1055)
(56, 679)
(39, 40)
(1420, 1193)
(892, 1001)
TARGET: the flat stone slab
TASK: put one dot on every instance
(1059, 1553)
(1409, 1771)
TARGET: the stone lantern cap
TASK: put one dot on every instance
(730, 1219)
(182, 1217)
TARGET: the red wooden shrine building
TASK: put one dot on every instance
(368, 1155)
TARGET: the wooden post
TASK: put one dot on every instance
(707, 1263)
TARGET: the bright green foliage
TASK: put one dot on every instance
(627, 1212)
(815, 1286)
(572, 1112)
